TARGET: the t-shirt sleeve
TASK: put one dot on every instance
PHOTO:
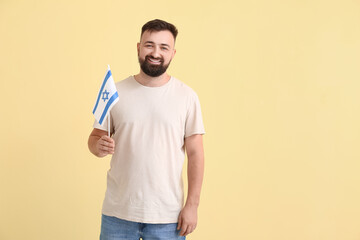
(194, 122)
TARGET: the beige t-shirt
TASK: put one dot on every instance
(144, 182)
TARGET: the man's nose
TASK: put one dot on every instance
(156, 52)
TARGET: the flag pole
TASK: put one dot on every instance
(109, 124)
(109, 112)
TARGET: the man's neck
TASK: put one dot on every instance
(149, 81)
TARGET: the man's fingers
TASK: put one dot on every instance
(179, 222)
(107, 139)
(105, 148)
(183, 229)
(106, 144)
(184, 226)
(189, 230)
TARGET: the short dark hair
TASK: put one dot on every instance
(158, 25)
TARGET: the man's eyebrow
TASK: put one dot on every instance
(149, 42)
(162, 44)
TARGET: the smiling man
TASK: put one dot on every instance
(156, 119)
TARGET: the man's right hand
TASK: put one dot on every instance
(105, 145)
(100, 144)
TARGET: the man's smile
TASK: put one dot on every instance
(155, 61)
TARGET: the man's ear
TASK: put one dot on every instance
(138, 47)
(174, 53)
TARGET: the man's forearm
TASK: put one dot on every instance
(188, 216)
(195, 177)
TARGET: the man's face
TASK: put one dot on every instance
(155, 52)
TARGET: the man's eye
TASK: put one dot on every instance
(148, 46)
(164, 48)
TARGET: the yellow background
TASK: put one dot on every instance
(279, 87)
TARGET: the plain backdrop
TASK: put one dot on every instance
(279, 88)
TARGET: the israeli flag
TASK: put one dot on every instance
(106, 99)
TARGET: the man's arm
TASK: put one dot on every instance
(195, 154)
(100, 144)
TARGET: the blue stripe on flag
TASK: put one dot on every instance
(111, 100)
(108, 75)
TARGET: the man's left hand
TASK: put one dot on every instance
(187, 220)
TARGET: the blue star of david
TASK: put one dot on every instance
(105, 95)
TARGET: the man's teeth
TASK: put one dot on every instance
(153, 60)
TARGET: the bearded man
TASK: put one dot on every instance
(156, 119)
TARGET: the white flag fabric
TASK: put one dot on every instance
(106, 99)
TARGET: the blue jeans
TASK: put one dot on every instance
(113, 228)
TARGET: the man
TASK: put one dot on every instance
(156, 118)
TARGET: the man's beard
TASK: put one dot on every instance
(153, 70)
